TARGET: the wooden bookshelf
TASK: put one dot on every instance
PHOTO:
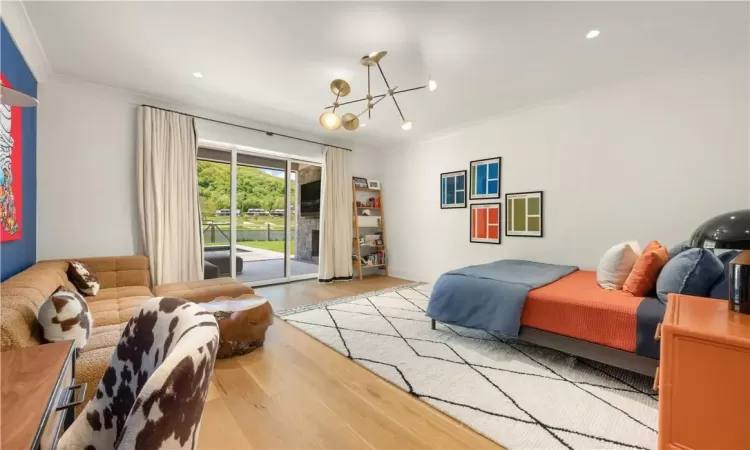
(356, 246)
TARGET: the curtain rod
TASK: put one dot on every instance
(268, 133)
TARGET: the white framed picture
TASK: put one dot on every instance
(373, 184)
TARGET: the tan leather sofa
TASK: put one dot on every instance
(125, 285)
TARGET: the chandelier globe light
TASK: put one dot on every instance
(340, 88)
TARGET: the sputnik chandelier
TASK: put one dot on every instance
(340, 88)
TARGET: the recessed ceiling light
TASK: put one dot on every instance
(197, 75)
(363, 125)
(592, 34)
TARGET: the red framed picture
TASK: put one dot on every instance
(11, 185)
(485, 223)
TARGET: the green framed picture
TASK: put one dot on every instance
(524, 214)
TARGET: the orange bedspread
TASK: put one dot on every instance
(576, 306)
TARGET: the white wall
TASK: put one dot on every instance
(87, 202)
(649, 159)
(86, 174)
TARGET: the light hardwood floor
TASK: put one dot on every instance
(297, 393)
(291, 295)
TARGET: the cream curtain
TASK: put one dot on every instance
(168, 195)
(336, 216)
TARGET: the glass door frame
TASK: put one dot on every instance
(287, 277)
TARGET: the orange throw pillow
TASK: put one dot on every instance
(642, 278)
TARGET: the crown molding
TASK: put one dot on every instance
(19, 26)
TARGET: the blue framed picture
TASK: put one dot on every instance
(485, 178)
(453, 190)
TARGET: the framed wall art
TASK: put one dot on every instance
(485, 223)
(359, 182)
(524, 214)
(485, 178)
(11, 173)
(453, 190)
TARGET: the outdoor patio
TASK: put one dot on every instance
(273, 268)
(261, 264)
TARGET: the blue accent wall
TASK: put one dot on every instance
(18, 255)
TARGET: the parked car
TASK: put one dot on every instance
(227, 212)
(277, 212)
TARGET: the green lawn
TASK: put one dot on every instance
(276, 246)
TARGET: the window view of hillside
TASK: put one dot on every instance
(260, 206)
(256, 188)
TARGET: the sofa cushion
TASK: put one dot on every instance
(120, 292)
(115, 305)
(204, 290)
(90, 367)
(104, 336)
(22, 295)
(118, 271)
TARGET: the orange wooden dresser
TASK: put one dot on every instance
(704, 376)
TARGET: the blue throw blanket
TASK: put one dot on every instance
(491, 296)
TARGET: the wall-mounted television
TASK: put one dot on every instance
(310, 199)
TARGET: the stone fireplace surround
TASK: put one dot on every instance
(306, 249)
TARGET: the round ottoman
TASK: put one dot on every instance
(243, 322)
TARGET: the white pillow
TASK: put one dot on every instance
(616, 265)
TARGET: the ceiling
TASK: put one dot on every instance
(273, 62)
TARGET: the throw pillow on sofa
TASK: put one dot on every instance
(616, 264)
(721, 288)
(82, 278)
(692, 272)
(65, 316)
(642, 278)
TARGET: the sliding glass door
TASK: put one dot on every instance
(260, 216)
(214, 188)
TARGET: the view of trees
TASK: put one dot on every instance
(256, 189)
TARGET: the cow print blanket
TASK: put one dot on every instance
(152, 394)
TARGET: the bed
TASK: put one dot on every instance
(571, 313)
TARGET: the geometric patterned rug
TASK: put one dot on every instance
(520, 395)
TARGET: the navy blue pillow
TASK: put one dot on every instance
(721, 288)
(678, 248)
(691, 272)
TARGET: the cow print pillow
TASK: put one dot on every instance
(83, 279)
(65, 316)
